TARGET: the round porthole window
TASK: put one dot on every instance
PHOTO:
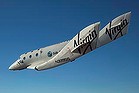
(49, 54)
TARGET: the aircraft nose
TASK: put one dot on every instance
(13, 66)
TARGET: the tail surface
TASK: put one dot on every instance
(86, 40)
(114, 29)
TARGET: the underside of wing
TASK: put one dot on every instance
(33, 65)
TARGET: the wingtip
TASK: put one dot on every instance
(98, 22)
(128, 13)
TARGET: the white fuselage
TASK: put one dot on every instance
(32, 59)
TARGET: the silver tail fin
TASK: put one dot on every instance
(114, 29)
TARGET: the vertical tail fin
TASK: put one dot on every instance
(114, 29)
(85, 41)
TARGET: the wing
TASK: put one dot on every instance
(85, 37)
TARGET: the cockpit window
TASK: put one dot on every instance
(24, 58)
(36, 54)
(30, 56)
(21, 61)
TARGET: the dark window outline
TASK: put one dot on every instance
(24, 58)
(37, 54)
(21, 61)
(30, 56)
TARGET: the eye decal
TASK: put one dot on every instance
(49, 54)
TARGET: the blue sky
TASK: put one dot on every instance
(26, 25)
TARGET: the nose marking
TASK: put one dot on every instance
(18, 65)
